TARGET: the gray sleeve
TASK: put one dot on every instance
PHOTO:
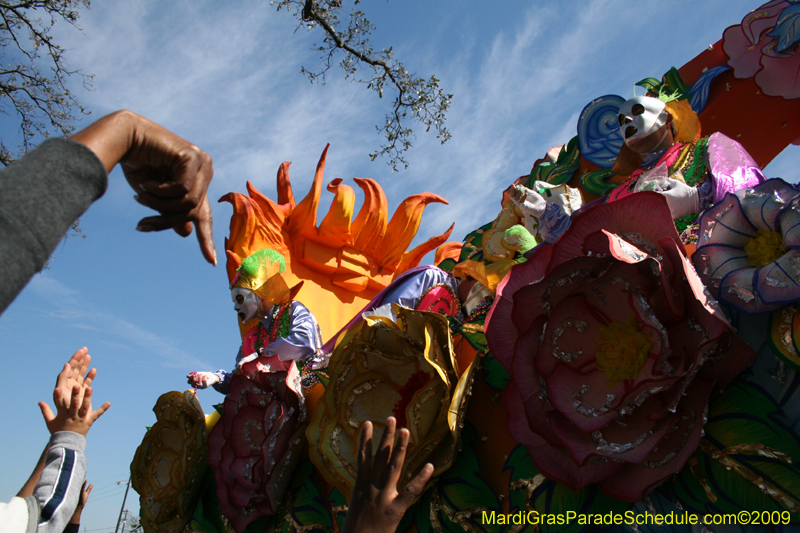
(59, 487)
(41, 195)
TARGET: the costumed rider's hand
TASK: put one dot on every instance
(682, 199)
(530, 202)
(202, 380)
(168, 173)
(376, 506)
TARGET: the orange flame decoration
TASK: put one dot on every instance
(343, 262)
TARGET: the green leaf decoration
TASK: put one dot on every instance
(308, 505)
(494, 374)
(529, 490)
(674, 84)
(421, 513)
(461, 494)
(338, 504)
(207, 517)
(595, 181)
(261, 525)
(671, 87)
(651, 84)
(787, 353)
(562, 169)
(473, 244)
(448, 265)
(751, 428)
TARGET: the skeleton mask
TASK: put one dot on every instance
(639, 117)
(246, 303)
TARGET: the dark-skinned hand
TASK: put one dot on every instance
(376, 505)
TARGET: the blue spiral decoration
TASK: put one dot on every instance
(599, 137)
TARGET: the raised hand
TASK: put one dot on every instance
(168, 173)
(376, 506)
(73, 397)
(201, 380)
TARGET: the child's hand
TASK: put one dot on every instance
(73, 374)
(73, 397)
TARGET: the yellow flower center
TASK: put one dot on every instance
(765, 248)
(621, 350)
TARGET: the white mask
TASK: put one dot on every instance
(639, 117)
(248, 307)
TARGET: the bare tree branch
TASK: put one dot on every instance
(34, 72)
(33, 75)
(420, 98)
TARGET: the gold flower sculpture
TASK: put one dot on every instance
(168, 468)
(379, 368)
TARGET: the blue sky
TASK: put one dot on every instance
(150, 309)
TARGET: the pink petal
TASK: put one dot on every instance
(542, 297)
(743, 43)
(737, 289)
(585, 399)
(500, 331)
(569, 336)
(715, 261)
(738, 357)
(635, 481)
(630, 438)
(780, 75)
(645, 213)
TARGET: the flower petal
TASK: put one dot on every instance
(636, 480)
(789, 222)
(500, 331)
(763, 203)
(714, 261)
(650, 219)
(726, 223)
(552, 461)
(585, 399)
(778, 283)
(630, 439)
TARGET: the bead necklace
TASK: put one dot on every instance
(279, 326)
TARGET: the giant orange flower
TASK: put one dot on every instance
(348, 261)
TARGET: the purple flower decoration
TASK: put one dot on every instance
(748, 248)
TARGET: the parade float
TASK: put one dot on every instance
(626, 354)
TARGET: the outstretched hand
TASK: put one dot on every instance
(202, 380)
(73, 397)
(76, 516)
(168, 173)
(376, 506)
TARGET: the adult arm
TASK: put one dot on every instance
(43, 193)
(170, 174)
(730, 166)
(27, 488)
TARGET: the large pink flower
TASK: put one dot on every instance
(254, 447)
(763, 46)
(614, 347)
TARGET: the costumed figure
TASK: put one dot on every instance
(254, 447)
(286, 330)
(664, 153)
(668, 156)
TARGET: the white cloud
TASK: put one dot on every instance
(68, 305)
